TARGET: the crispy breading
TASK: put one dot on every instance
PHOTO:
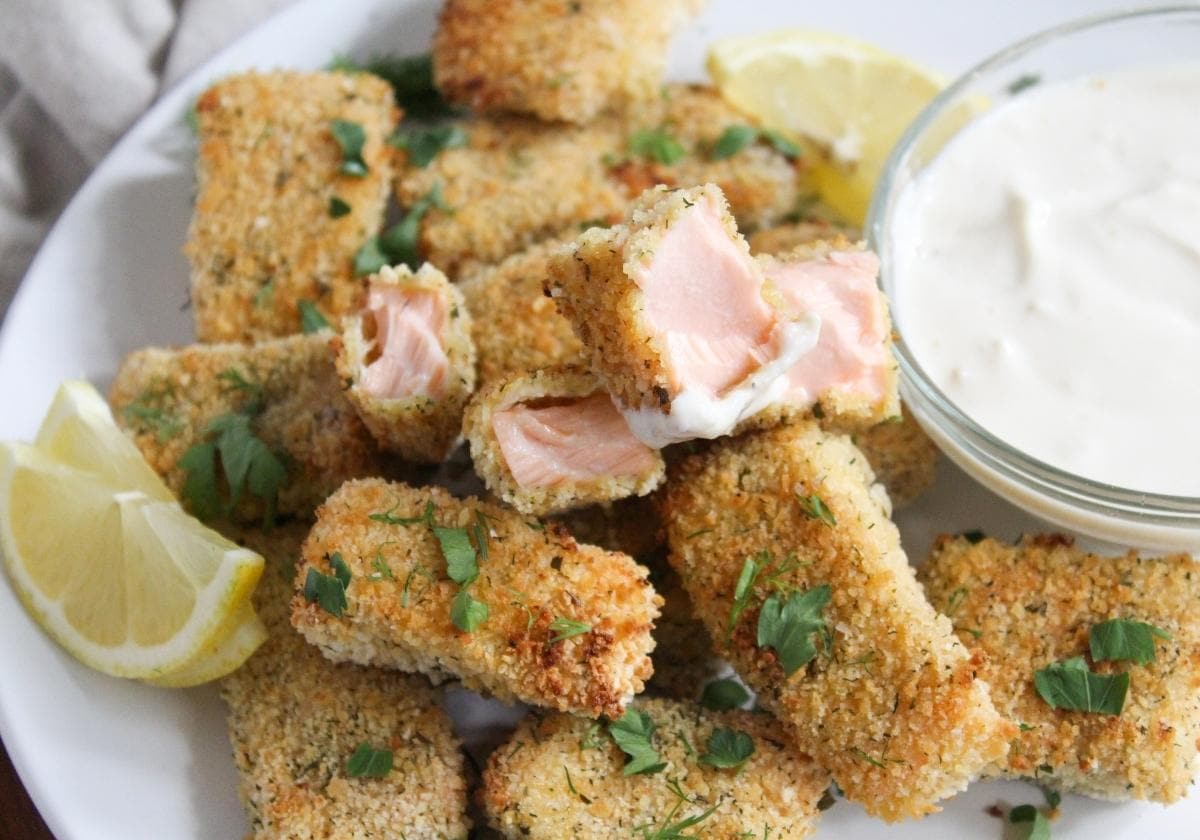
(418, 427)
(891, 707)
(263, 234)
(295, 719)
(559, 385)
(560, 776)
(902, 456)
(519, 181)
(518, 327)
(166, 398)
(780, 239)
(530, 576)
(1025, 606)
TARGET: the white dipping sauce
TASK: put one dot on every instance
(1047, 275)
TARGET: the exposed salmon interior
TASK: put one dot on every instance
(547, 443)
(851, 355)
(703, 299)
(409, 359)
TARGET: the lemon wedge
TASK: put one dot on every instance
(849, 98)
(109, 564)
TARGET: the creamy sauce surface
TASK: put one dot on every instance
(1047, 275)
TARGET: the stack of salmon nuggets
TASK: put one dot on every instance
(686, 447)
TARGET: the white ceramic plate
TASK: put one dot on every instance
(104, 758)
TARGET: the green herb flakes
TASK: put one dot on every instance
(668, 830)
(147, 414)
(411, 78)
(369, 258)
(656, 144)
(466, 613)
(311, 319)
(815, 508)
(633, 732)
(1022, 83)
(382, 570)
(745, 587)
(788, 626)
(565, 628)
(368, 762)
(338, 208)
(733, 140)
(327, 591)
(248, 464)
(571, 787)
(426, 518)
(780, 143)
(1072, 685)
(1122, 639)
(728, 748)
(459, 553)
(723, 695)
(424, 144)
(351, 137)
(1039, 826)
(400, 243)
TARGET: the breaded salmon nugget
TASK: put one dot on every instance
(284, 393)
(552, 440)
(554, 59)
(519, 181)
(675, 319)
(1027, 606)
(472, 590)
(798, 574)
(292, 177)
(561, 776)
(410, 361)
(519, 328)
(296, 719)
(902, 456)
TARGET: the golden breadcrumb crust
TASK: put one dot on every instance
(554, 59)
(902, 456)
(263, 236)
(893, 709)
(1025, 606)
(166, 398)
(518, 181)
(418, 428)
(560, 777)
(532, 575)
(780, 239)
(295, 719)
(554, 384)
(519, 327)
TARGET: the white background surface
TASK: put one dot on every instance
(106, 759)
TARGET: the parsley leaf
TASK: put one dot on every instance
(1039, 828)
(311, 319)
(368, 762)
(814, 508)
(722, 695)
(1121, 639)
(340, 570)
(400, 243)
(656, 144)
(633, 732)
(338, 207)
(1072, 685)
(411, 77)
(424, 144)
(459, 553)
(745, 587)
(733, 140)
(781, 144)
(328, 591)
(565, 628)
(787, 626)
(728, 748)
(200, 482)
(351, 137)
(247, 463)
(369, 258)
(466, 613)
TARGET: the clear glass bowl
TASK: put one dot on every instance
(1094, 45)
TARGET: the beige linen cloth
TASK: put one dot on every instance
(74, 74)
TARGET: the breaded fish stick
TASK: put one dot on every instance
(296, 719)
(520, 610)
(1027, 606)
(286, 392)
(798, 574)
(552, 440)
(292, 177)
(410, 361)
(561, 776)
(519, 181)
(554, 59)
(780, 239)
(676, 318)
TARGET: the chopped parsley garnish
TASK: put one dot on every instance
(1072, 685)
(233, 377)
(369, 258)
(146, 413)
(1039, 826)
(1122, 639)
(788, 626)
(417, 571)
(1023, 82)
(351, 137)
(745, 587)
(781, 144)
(382, 570)
(311, 319)
(668, 830)
(728, 748)
(565, 628)
(459, 553)
(410, 76)
(467, 613)
(724, 694)
(956, 599)
(247, 463)
(815, 508)
(424, 144)
(633, 732)
(329, 591)
(367, 762)
(338, 207)
(399, 243)
(656, 144)
(426, 518)
(733, 140)
(1053, 797)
